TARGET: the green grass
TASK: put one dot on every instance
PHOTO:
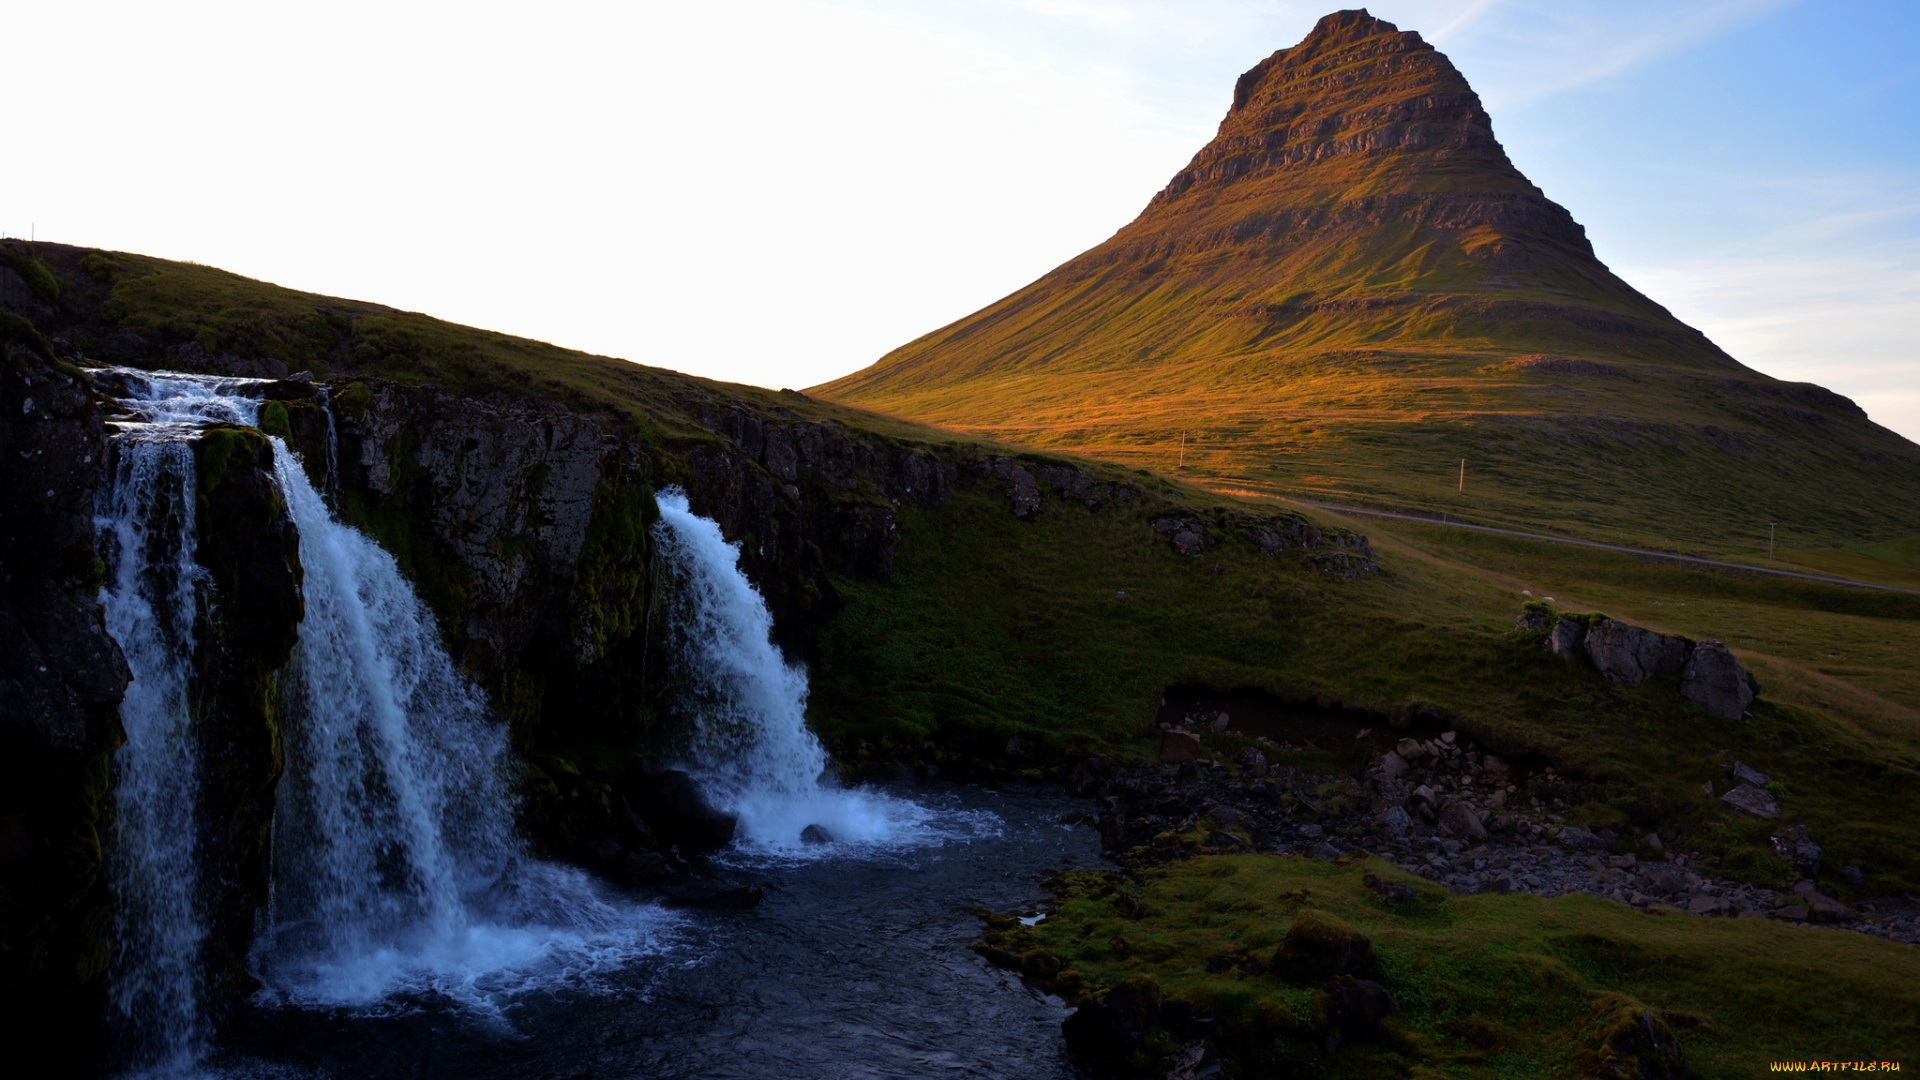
(991, 627)
(1540, 976)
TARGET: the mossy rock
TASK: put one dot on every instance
(1320, 946)
(1626, 1040)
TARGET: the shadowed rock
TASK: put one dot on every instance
(1716, 682)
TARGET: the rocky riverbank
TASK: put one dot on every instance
(1451, 813)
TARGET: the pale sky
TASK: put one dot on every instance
(780, 191)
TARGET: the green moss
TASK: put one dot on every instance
(273, 419)
(43, 282)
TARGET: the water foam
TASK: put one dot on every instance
(747, 708)
(399, 876)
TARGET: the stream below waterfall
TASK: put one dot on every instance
(853, 965)
(409, 932)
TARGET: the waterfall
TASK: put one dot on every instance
(153, 598)
(397, 872)
(747, 706)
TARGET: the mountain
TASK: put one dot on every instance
(1350, 290)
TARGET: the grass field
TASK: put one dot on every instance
(1502, 986)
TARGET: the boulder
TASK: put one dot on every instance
(1396, 820)
(1748, 776)
(1631, 654)
(1391, 766)
(1581, 840)
(1320, 946)
(815, 834)
(1409, 750)
(1565, 639)
(1716, 682)
(1753, 800)
(1347, 1009)
(1114, 1025)
(1179, 746)
(1664, 882)
(678, 810)
(1462, 821)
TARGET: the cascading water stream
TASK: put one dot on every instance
(397, 870)
(153, 599)
(750, 741)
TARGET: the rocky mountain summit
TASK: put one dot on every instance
(1349, 289)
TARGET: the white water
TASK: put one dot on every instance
(397, 871)
(153, 599)
(750, 741)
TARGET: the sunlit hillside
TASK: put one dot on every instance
(1351, 290)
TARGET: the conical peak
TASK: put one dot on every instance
(1358, 104)
(1342, 27)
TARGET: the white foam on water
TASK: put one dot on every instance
(747, 706)
(399, 880)
(399, 875)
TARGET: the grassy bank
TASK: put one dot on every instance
(1508, 986)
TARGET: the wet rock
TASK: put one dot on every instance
(1716, 682)
(1320, 946)
(1347, 1009)
(1179, 746)
(646, 867)
(1753, 800)
(677, 808)
(1631, 654)
(1113, 1026)
(815, 834)
(703, 894)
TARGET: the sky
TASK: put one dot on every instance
(780, 191)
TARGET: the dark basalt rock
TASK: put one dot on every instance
(249, 546)
(1113, 1026)
(1347, 1009)
(61, 680)
(677, 809)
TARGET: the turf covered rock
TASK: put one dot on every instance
(1320, 946)
(1347, 1009)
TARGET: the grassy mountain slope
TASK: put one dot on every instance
(1351, 289)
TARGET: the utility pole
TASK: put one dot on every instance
(1463, 476)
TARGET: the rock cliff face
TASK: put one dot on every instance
(61, 680)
